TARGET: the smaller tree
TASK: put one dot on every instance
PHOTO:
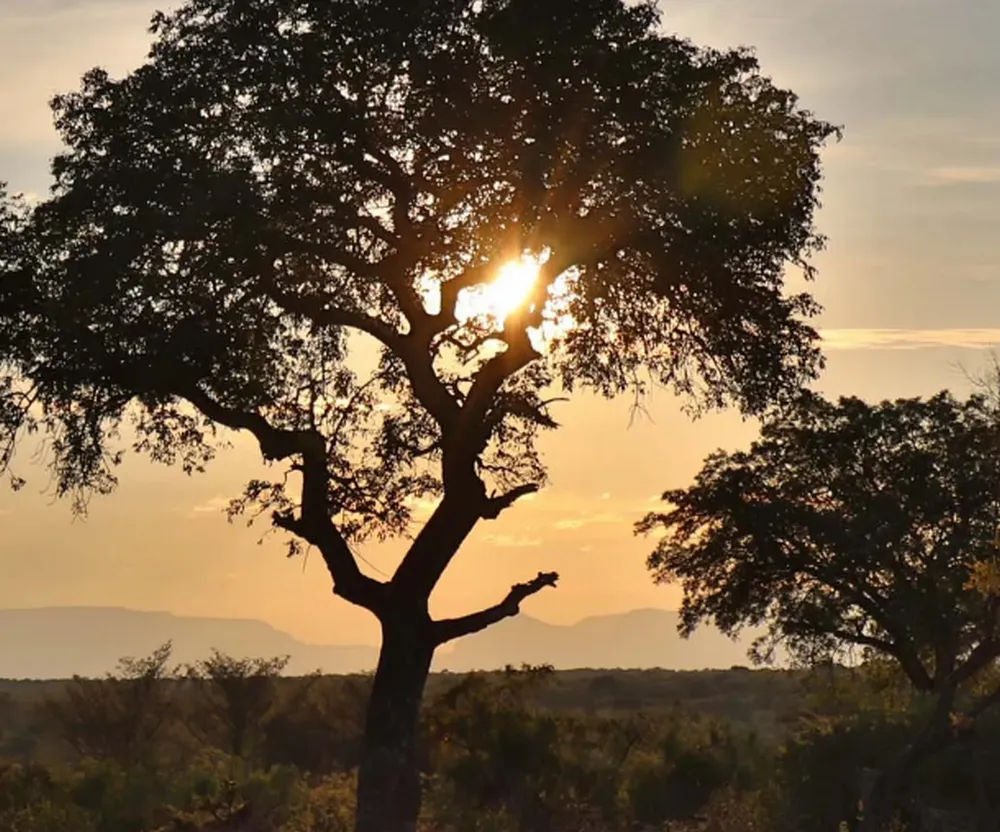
(118, 718)
(237, 697)
(319, 725)
(854, 527)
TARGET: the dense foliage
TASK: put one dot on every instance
(858, 529)
(531, 750)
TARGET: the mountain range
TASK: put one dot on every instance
(58, 642)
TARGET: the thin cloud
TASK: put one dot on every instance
(909, 339)
(587, 520)
(506, 541)
(989, 175)
(216, 505)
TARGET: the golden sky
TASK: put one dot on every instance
(910, 284)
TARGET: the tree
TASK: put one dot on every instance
(118, 718)
(852, 526)
(237, 698)
(289, 220)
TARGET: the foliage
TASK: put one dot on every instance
(321, 730)
(30, 800)
(857, 529)
(848, 526)
(238, 695)
(278, 175)
(496, 758)
(120, 717)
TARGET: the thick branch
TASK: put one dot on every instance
(315, 309)
(860, 639)
(983, 704)
(488, 381)
(427, 387)
(440, 538)
(902, 648)
(314, 523)
(982, 656)
(495, 505)
(510, 606)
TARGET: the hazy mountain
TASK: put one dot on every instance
(638, 639)
(57, 642)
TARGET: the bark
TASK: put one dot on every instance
(389, 790)
(389, 777)
(935, 736)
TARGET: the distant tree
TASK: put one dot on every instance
(290, 219)
(320, 727)
(854, 527)
(237, 697)
(121, 717)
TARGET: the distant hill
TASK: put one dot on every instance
(57, 642)
(638, 639)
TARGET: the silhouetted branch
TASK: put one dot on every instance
(497, 504)
(453, 628)
(314, 523)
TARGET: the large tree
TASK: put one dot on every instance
(288, 221)
(850, 526)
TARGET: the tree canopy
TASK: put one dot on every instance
(279, 175)
(849, 525)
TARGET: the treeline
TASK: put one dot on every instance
(229, 744)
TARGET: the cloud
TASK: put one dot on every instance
(506, 541)
(987, 175)
(587, 520)
(216, 505)
(909, 339)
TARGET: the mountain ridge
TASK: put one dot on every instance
(88, 641)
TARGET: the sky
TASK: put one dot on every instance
(910, 284)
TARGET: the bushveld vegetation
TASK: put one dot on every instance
(230, 745)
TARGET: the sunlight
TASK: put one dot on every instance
(503, 295)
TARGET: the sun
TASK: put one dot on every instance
(502, 295)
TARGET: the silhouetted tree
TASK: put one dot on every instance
(280, 222)
(854, 526)
(320, 726)
(237, 698)
(118, 718)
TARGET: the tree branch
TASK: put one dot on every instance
(983, 704)
(452, 628)
(314, 524)
(496, 504)
(984, 654)
(315, 309)
(427, 386)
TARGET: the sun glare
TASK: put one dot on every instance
(502, 295)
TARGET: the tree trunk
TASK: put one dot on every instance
(883, 800)
(389, 789)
